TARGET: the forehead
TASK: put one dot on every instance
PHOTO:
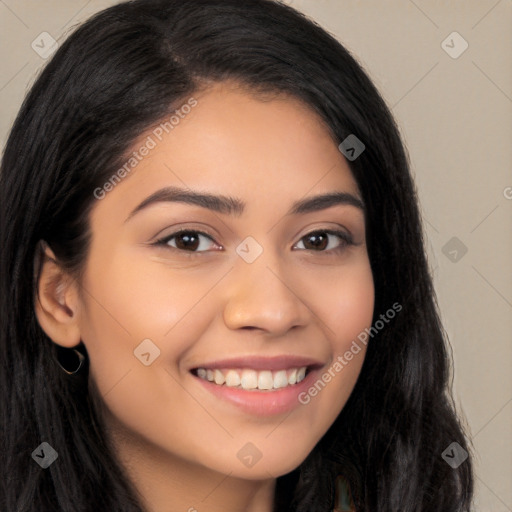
(274, 149)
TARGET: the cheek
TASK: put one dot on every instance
(354, 309)
(139, 299)
(346, 307)
(128, 301)
(344, 303)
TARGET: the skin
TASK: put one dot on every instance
(178, 442)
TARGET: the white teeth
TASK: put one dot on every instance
(251, 379)
(219, 377)
(265, 380)
(280, 379)
(232, 379)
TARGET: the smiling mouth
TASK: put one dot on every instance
(249, 379)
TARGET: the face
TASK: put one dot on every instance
(255, 289)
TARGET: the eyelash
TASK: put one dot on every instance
(345, 237)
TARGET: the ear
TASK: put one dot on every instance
(56, 300)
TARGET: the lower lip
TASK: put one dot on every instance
(262, 403)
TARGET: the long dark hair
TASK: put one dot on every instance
(126, 68)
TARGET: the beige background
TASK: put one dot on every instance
(455, 116)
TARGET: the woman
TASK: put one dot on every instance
(214, 289)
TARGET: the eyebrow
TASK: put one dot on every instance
(234, 206)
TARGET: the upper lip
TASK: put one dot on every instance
(283, 362)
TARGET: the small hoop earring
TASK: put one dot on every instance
(81, 359)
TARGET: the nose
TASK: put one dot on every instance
(261, 296)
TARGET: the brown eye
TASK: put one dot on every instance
(316, 241)
(319, 241)
(187, 240)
